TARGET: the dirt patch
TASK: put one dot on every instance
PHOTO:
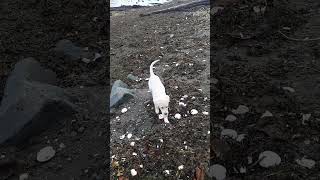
(181, 41)
(31, 29)
(254, 64)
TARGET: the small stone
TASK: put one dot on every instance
(241, 110)
(81, 130)
(218, 171)
(240, 137)
(24, 176)
(205, 113)
(122, 137)
(171, 35)
(231, 118)
(132, 143)
(182, 104)
(214, 81)
(129, 135)
(133, 172)
(250, 160)
(45, 154)
(305, 117)
(177, 116)
(307, 163)
(184, 96)
(61, 146)
(161, 140)
(267, 114)
(123, 110)
(180, 167)
(290, 89)
(193, 111)
(229, 133)
(134, 154)
(243, 170)
(269, 159)
(141, 166)
(167, 172)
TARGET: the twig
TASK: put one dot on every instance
(294, 39)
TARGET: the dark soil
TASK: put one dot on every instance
(30, 29)
(252, 62)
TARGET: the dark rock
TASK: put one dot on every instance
(132, 77)
(31, 102)
(67, 48)
(120, 93)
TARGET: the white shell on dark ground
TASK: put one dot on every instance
(124, 110)
(241, 110)
(133, 172)
(193, 111)
(308, 163)
(229, 133)
(267, 114)
(218, 171)
(177, 116)
(180, 167)
(231, 118)
(269, 159)
(45, 154)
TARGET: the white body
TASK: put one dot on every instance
(160, 98)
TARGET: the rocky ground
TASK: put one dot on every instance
(139, 140)
(265, 57)
(264, 90)
(32, 29)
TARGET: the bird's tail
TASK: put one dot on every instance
(151, 66)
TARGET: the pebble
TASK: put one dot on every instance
(134, 154)
(214, 81)
(161, 140)
(290, 89)
(81, 130)
(184, 96)
(132, 143)
(45, 154)
(231, 118)
(61, 145)
(177, 116)
(243, 170)
(250, 160)
(305, 117)
(229, 133)
(180, 167)
(241, 110)
(193, 111)
(123, 110)
(122, 137)
(240, 137)
(141, 166)
(182, 104)
(308, 163)
(167, 172)
(24, 176)
(129, 135)
(267, 114)
(269, 159)
(218, 171)
(205, 113)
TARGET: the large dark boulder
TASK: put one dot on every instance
(31, 102)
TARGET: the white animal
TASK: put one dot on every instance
(160, 98)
